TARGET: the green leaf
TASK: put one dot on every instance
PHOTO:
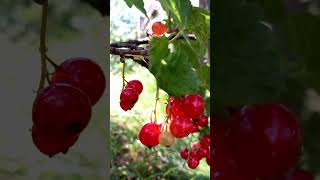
(200, 23)
(180, 10)
(139, 4)
(159, 50)
(302, 34)
(195, 53)
(174, 72)
(247, 69)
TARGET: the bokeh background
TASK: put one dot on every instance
(74, 29)
(131, 159)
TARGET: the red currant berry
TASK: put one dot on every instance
(203, 152)
(84, 74)
(50, 144)
(193, 163)
(176, 106)
(166, 139)
(194, 152)
(63, 108)
(136, 85)
(205, 141)
(158, 28)
(128, 98)
(149, 134)
(195, 128)
(184, 153)
(208, 159)
(203, 121)
(265, 139)
(181, 126)
(193, 106)
(300, 174)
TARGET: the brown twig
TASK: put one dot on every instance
(131, 49)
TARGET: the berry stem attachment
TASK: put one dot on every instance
(43, 49)
(176, 36)
(122, 59)
(51, 62)
(170, 109)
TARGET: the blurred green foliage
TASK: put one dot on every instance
(20, 19)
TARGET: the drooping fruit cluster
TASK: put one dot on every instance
(197, 152)
(62, 110)
(158, 28)
(186, 115)
(259, 141)
(130, 94)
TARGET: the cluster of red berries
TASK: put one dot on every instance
(186, 116)
(257, 142)
(197, 152)
(63, 110)
(130, 94)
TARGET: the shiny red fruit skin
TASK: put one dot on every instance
(203, 121)
(208, 159)
(193, 106)
(203, 152)
(158, 28)
(181, 126)
(128, 98)
(82, 73)
(176, 106)
(300, 174)
(52, 144)
(184, 153)
(193, 163)
(265, 139)
(149, 134)
(136, 85)
(195, 128)
(62, 108)
(205, 140)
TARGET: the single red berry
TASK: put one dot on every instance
(184, 153)
(84, 74)
(203, 121)
(52, 144)
(158, 28)
(62, 108)
(181, 126)
(193, 106)
(193, 163)
(195, 128)
(136, 85)
(194, 151)
(203, 152)
(205, 140)
(128, 98)
(176, 106)
(265, 139)
(208, 159)
(149, 134)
